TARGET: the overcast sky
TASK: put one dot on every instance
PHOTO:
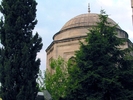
(53, 14)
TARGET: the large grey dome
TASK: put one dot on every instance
(85, 20)
(79, 25)
(66, 41)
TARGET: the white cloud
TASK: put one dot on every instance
(113, 3)
(42, 56)
(108, 3)
(130, 33)
(53, 15)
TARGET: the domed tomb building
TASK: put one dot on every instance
(66, 41)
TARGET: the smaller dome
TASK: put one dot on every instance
(85, 20)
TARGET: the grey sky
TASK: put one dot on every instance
(53, 14)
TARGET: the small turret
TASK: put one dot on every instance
(89, 8)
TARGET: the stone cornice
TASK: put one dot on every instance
(65, 40)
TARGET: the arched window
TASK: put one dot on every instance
(72, 60)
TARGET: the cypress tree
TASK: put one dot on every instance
(103, 71)
(18, 63)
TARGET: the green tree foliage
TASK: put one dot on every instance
(18, 63)
(56, 83)
(102, 70)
